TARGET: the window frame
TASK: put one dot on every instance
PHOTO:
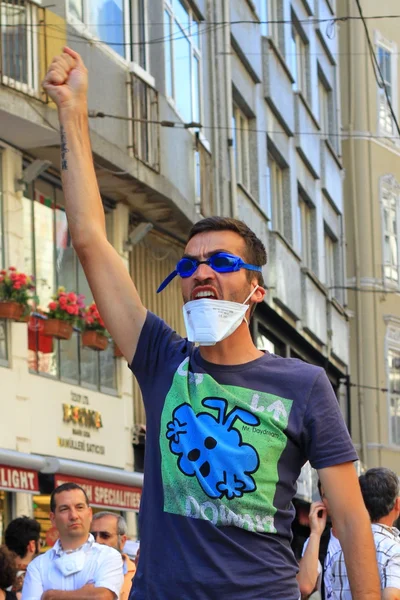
(241, 147)
(329, 130)
(305, 225)
(300, 59)
(195, 54)
(31, 86)
(130, 27)
(393, 396)
(392, 49)
(392, 188)
(99, 386)
(276, 205)
(4, 362)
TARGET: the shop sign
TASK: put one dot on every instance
(107, 495)
(20, 480)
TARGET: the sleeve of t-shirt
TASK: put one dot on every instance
(33, 587)
(327, 440)
(156, 347)
(109, 572)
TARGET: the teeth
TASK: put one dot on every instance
(205, 295)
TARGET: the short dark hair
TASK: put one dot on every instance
(8, 570)
(255, 252)
(380, 488)
(19, 533)
(65, 487)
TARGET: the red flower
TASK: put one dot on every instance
(12, 269)
(53, 306)
(17, 285)
(72, 297)
(70, 310)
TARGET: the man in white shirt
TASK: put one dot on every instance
(76, 568)
(380, 490)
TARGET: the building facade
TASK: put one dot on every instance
(371, 157)
(196, 108)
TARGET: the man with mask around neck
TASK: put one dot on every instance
(228, 426)
(76, 568)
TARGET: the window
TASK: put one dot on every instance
(326, 110)
(241, 146)
(394, 395)
(145, 126)
(203, 181)
(3, 324)
(390, 205)
(182, 59)
(269, 17)
(119, 24)
(269, 343)
(306, 238)
(275, 194)
(331, 248)
(385, 60)
(299, 50)
(19, 24)
(50, 257)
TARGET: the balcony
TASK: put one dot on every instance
(145, 123)
(21, 44)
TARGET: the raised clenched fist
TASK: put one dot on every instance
(66, 80)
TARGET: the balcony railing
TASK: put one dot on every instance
(20, 23)
(145, 124)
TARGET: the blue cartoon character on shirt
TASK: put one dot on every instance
(211, 449)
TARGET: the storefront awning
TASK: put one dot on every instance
(51, 464)
(105, 495)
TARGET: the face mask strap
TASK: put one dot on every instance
(251, 293)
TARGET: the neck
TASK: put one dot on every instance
(388, 520)
(73, 544)
(237, 349)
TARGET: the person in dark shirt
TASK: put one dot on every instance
(22, 537)
(228, 426)
(8, 574)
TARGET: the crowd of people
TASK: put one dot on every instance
(88, 561)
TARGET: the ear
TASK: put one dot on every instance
(53, 519)
(31, 546)
(258, 295)
(123, 541)
(397, 504)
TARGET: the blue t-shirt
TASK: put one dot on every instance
(224, 448)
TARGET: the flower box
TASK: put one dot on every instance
(37, 340)
(11, 310)
(58, 329)
(94, 340)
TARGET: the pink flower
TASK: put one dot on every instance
(89, 320)
(70, 310)
(17, 285)
(12, 269)
(53, 306)
(3, 272)
(71, 297)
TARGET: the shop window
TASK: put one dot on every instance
(182, 59)
(50, 257)
(3, 324)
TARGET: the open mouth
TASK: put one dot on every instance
(204, 292)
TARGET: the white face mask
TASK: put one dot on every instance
(210, 321)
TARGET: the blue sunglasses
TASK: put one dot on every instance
(222, 262)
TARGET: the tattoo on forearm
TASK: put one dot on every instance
(64, 150)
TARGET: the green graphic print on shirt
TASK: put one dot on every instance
(220, 446)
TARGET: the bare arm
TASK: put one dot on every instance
(109, 280)
(88, 592)
(353, 528)
(307, 577)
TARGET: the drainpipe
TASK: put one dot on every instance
(213, 17)
(356, 237)
(229, 108)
